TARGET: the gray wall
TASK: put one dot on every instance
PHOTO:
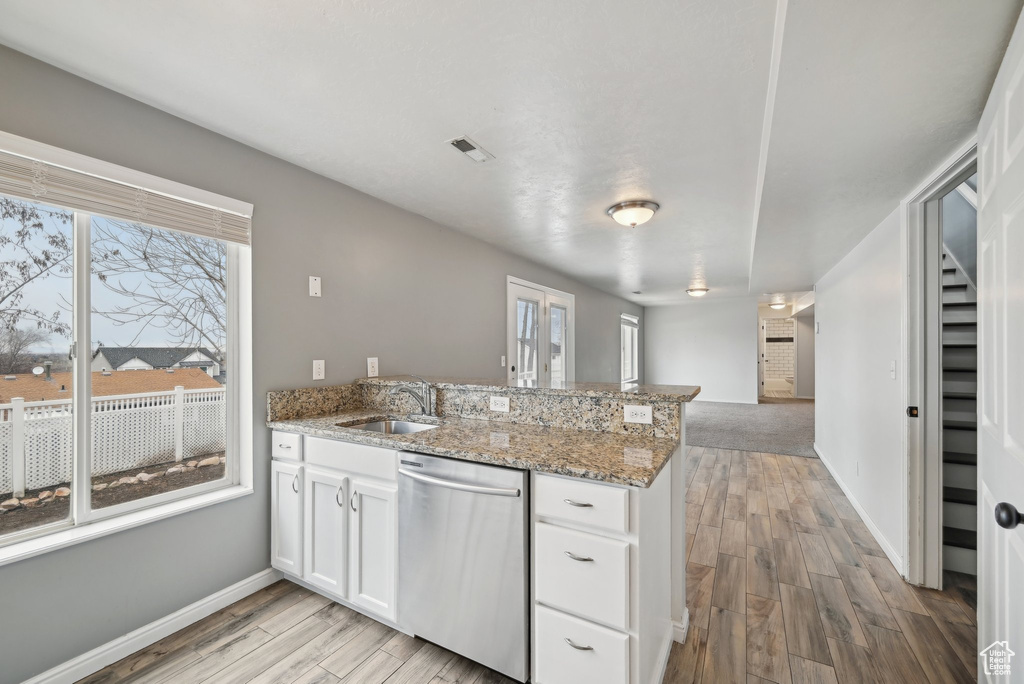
(960, 231)
(418, 295)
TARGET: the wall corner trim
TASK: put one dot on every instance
(890, 551)
(112, 651)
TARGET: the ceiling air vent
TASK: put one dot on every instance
(471, 149)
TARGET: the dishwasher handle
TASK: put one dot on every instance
(460, 486)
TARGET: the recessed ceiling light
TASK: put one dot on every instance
(778, 305)
(633, 213)
(697, 291)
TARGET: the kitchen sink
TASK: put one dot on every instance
(393, 427)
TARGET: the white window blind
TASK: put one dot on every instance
(92, 186)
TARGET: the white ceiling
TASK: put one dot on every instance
(584, 103)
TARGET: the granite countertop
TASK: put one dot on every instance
(680, 393)
(616, 458)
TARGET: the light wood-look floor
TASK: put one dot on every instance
(779, 394)
(785, 584)
(286, 634)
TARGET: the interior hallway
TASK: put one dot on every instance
(786, 584)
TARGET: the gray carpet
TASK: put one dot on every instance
(783, 426)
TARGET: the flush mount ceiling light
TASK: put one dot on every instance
(633, 213)
(697, 291)
(778, 302)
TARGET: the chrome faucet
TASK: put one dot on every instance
(424, 397)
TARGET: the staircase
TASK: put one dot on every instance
(959, 419)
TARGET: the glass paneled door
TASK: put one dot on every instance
(540, 336)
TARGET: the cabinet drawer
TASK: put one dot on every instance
(583, 574)
(600, 654)
(597, 505)
(286, 446)
(356, 459)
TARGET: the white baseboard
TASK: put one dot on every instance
(680, 628)
(112, 651)
(890, 551)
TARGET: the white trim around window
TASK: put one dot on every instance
(629, 341)
(85, 523)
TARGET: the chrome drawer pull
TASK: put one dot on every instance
(340, 493)
(572, 555)
(578, 648)
(577, 504)
(284, 446)
(295, 484)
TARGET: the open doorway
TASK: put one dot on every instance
(785, 347)
(943, 379)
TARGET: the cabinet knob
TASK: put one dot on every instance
(1007, 515)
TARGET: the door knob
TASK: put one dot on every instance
(1007, 515)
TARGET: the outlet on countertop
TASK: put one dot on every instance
(499, 404)
(372, 368)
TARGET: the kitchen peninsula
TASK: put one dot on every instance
(586, 546)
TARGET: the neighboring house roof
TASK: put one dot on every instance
(36, 388)
(157, 357)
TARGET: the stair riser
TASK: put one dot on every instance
(956, 475)
(961, 516)
(960, 335)
(961, 383)
(955, 278)
(960, 560)
(960, 359)
(956, 296)
(959, 409)
(963, 441)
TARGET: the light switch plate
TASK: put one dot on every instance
(502, 361)
(499, 404)
(371, 367)
(314, 286)
(318, 370)
(637, 414)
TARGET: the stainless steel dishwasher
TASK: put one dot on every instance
(463, 559)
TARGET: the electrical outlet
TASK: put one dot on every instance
(371, 367)
(502, 361)
(318, 370)
(637, 414)
(499, 404)
(314, 286)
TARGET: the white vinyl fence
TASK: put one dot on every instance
(128, 431)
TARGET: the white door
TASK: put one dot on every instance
(1001, 369)
(540, 327)
(374, 537)
(286, 517)
(326, 531)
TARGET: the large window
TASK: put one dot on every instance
(123, 351)
(629, 333)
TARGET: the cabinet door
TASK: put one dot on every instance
(374, 540)
(325, 546)
(286, 517)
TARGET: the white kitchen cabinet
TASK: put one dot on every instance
(374, 545)
(325, 531)
(286, 517)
